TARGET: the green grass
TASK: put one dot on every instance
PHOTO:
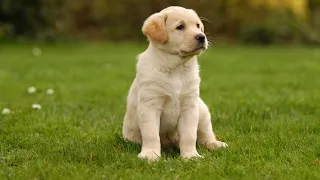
(265, 103)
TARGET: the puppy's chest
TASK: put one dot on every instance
(172, 106)
(177, 86)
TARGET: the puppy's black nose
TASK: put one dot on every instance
(200, 38)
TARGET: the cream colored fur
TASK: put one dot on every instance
(163, 106)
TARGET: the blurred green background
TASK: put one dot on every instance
(231, 21)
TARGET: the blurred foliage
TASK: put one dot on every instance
(233, 20)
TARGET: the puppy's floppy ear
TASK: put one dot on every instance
(155, 27)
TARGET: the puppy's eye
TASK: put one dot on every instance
(180, 27)
(198, 25)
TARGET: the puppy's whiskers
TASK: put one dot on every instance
(210, 41)
(205, 19)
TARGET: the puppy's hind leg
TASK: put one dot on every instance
(205, 134)
(130, 129)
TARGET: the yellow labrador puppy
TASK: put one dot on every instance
(163, 106)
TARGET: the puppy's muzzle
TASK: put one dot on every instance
(200, 38)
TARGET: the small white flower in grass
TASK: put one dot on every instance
(36, 51)
(6, 111)
(36, 106)
(50, 91)
(32, 90)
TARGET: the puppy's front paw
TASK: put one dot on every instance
(191, 155)
(216, 145)
(149, 155)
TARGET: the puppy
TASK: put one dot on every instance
(163, 105)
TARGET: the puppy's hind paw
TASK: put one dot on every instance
(216, 145)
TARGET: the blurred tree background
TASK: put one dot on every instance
(236, 21)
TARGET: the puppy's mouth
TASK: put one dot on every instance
(202, 48)
(195, 51)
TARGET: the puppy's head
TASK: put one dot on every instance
(176, 30)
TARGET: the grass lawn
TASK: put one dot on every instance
(265, 103)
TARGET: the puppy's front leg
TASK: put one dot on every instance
(149, 123)
(187, 128)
